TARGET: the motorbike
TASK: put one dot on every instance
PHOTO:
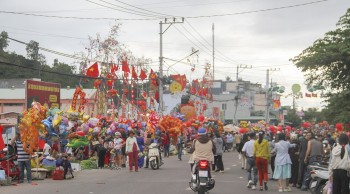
(200, 181)
(311, 168)
(319, 178)
(154, 156)
(7, 158)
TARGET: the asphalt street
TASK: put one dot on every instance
(171, 178)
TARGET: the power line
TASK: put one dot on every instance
(72, 17)
(60, 73)
(143, 9)
(255, 11)
(187, 17)
(134, 12)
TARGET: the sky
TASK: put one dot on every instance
(244, 36)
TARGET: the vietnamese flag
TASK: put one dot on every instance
(125, 66)
(143, 75)
(93, 71)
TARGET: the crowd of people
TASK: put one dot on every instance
(287, 153)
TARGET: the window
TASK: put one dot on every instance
(224, 106)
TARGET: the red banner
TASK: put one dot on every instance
(45, 93)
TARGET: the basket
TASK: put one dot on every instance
(58, 175)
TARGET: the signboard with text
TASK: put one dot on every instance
(46, 93)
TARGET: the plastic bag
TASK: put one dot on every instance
(239, 156)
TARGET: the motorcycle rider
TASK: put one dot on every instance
(202, 148)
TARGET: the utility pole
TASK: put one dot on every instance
(237, 90)
(267, 95)
(168, 22)
(213, 55)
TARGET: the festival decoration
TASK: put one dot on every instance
(78, 93)
(30, 125)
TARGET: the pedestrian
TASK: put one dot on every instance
(237, 139)
(303, 141)
(166, 144)
(272, 154)
(294, 156)
(313, 154)
(248, 151)
(229, 141)
(46, 149)
(118, 144)
(179, 146)
(132, 149)
(283, 163)
(339, 166)
(148, 142)
(67, 166)
(101, 152)
(23, 159)
(262, 157)
(218, 142)
(242, 156)
(141, 144)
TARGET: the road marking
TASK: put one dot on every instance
(228, 168)
(240, 177)
(91, 192)
(234, 165)
(188, 189)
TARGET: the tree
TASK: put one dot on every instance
(327, 61)
(3, 40)
(228, 78)
(293, 118)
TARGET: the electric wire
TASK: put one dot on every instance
(187, 17)
(133, 13)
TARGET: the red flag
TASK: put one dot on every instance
(180, 79)
(133, 73)
(143, 75)
(114, 68)
(152, 75)
(125, 66)
(93, 71)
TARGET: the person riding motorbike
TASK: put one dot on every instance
(202, 148)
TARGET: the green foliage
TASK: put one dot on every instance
(327, 61)
(3, 40)
(338, 108)
(293, 118)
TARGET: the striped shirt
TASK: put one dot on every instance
(21, 154)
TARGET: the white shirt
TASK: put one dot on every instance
(118, 143)
(248, 148)
(47, 149)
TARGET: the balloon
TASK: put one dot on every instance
(339, 127)
(80, 133)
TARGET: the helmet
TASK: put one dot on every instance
(117, 133)
(202, 131)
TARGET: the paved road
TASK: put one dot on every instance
(171, 178)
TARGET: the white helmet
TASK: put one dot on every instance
(117, 133)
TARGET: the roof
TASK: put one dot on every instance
(19, 93)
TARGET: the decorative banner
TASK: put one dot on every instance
(181, 79)
(216, 112)
(46, 93)
(276, 104)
